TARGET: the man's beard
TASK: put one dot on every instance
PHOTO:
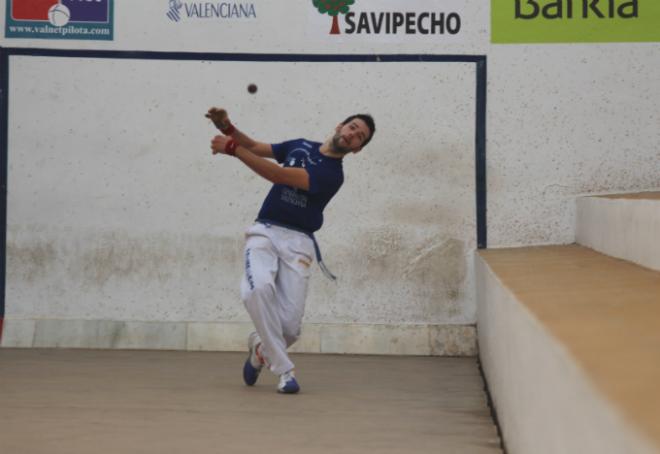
(337, 147)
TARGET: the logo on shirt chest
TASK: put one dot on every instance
(300, 157)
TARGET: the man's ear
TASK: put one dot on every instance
(338, 127)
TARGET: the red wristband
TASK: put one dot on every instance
(228, 130)
(230, 147)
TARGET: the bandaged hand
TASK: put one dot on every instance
(220, 119)
(223, 145)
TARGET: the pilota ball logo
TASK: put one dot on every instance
(59, 15)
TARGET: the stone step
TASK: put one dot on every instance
(569, 340)
(626, 226)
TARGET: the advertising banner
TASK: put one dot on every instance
(388, 21)
(63, 19)
(575, 21)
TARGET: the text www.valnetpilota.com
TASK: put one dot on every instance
(68, 30)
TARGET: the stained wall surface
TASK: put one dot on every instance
(119, 202)
(117, 210)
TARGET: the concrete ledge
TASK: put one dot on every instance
(626, 226)
(108, 334)
(435, 340)
(549, 340)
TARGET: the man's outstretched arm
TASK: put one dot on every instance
(290, 176)
(221, 121)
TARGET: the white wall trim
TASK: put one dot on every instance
(376, 339)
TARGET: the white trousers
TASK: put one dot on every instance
(274, 288)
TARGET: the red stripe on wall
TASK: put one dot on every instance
(31, 9)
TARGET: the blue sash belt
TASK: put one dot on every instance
(319, 259)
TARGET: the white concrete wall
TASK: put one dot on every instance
(567, 120)
(118, 212)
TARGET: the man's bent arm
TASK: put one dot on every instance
(290, 176)
(265, 150)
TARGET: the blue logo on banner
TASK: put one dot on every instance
(60, 19)
(210, 10)
(173, 13)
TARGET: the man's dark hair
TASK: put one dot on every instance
(368, 119)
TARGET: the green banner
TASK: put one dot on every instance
(575, 21)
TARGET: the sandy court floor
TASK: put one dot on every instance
(104, 401)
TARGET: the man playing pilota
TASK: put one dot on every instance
(280, 246)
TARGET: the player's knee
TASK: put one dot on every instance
(290, 340)
(291, 330)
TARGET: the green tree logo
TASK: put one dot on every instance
(333, 8)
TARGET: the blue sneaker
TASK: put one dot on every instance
(288, 384)
(253, 364)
